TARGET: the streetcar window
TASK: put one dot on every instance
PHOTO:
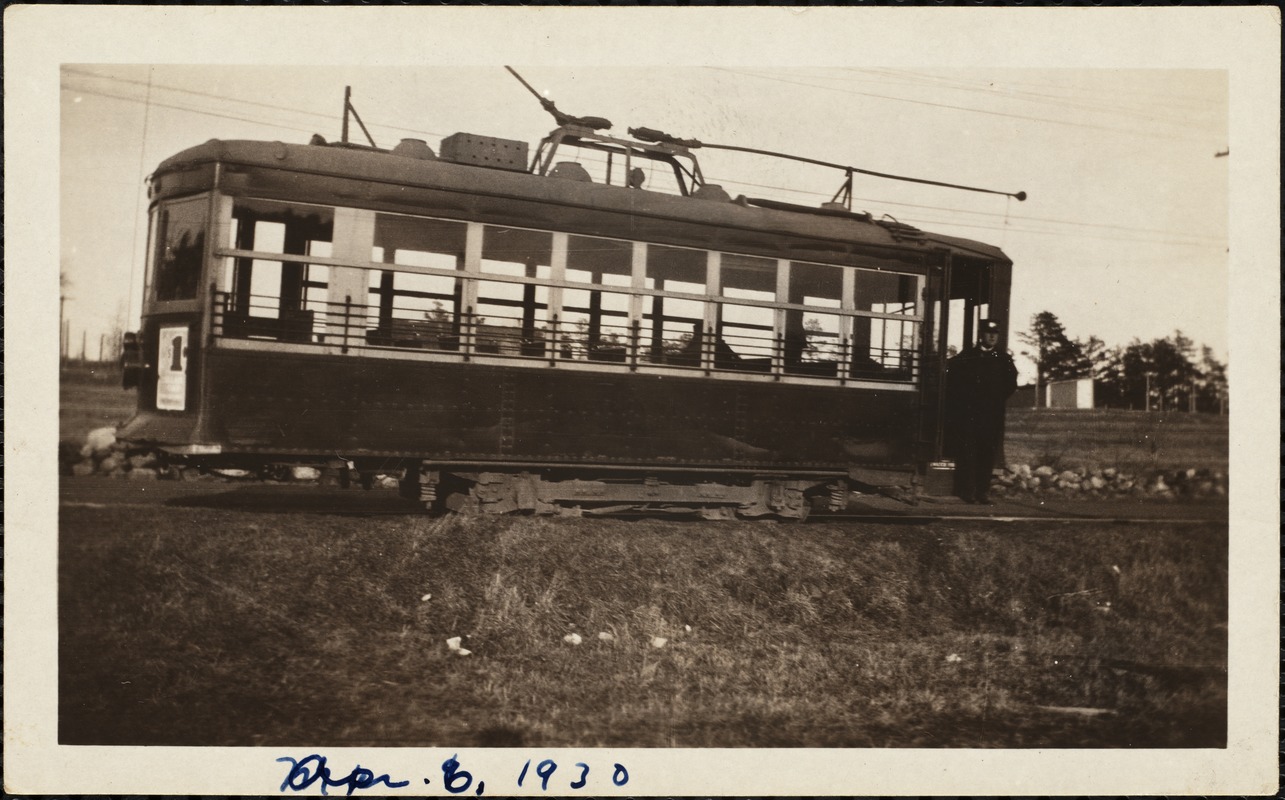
(414, 309)
(670, 326)
(595, 322)
(513, 316)
(273, 297)
(881, 347)
(748, 331)
(811, 342)
(180, 249)
(884, 348)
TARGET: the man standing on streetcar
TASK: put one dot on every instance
(979, 382)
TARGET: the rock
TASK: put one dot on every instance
(1159, 485)
(1033, 482)
(605, 636)
(112, 463)
(1110, 473)
(1097, 482)
(304, 473)
(83, 469)
(572, 639)
(233, 473)
(144, 474)
(659, 642)
(1045, 471)
(142, 461)
(1068, 476)
(387, 481)
(99, 442)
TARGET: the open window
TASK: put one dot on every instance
(595, 321)
(885, 339)
(513, 314)
(812, 340)
(273, 297)
(409, 306)
(746, 329)
(672, 326)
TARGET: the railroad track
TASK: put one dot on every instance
(908, 518)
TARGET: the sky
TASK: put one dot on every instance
(1123, 233)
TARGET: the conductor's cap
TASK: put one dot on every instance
(988, 326)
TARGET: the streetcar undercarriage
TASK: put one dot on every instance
(565, 493)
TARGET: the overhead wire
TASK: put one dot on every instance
(970, 109)
(826, 196)
(990, 88)
(276, 107)
(1004, 217)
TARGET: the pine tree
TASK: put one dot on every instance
(1056, 355)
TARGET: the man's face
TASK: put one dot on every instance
(990, 339)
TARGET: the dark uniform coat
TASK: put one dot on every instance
(978, 385)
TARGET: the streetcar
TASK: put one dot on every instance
(591, 327)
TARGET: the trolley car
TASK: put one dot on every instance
(518, 334)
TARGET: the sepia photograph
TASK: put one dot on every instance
(532, 424)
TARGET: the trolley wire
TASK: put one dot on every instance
(1190, 240)
(1125, 108)
(1186, 240)
(971, 109)
(212, 96)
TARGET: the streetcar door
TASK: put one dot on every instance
(932, 361)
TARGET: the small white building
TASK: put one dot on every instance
(1070, 393)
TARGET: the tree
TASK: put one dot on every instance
(1056, 355)
(1158, 375)
(1211, 385)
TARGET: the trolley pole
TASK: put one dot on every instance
(347, 105)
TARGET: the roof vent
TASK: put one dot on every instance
(712, 191)
(414, 148)
(571, 171)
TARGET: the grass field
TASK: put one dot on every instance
(1132, 441)
(218, 627)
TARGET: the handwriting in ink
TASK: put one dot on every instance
(313, 769)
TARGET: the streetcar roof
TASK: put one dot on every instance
(381, 166)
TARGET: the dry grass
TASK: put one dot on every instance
(214, 627)
(1131, 441)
